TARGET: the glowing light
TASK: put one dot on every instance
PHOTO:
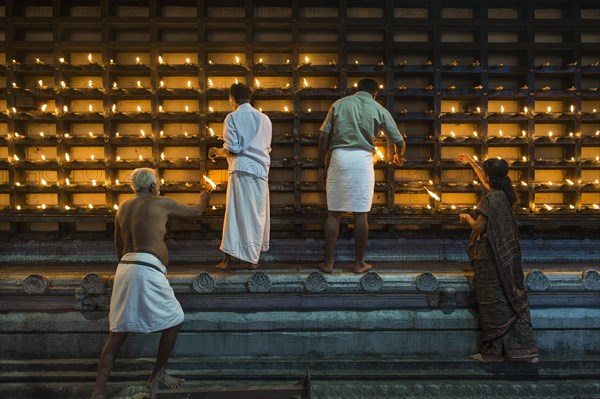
(474, 134)
(44, 182)
(116, 207)
(67, 157)
(478, 109)
(44, 106)
(90, 84)
(212, 132)
(286, 109)
(90, 107)
(502, 109)
(524, 158)
(139, 108)
(306, 61)
(40, 82)
(380, 154)
(61, 60)
(187, 109)
(189, 84)
(570, 182)
(305, 82)
(523, 133)
(500, 133)
(237, 60)
(67, 207)
(160, 60)
(90, 206)
(117, 182)
(550, 134)
(257, 83)
(92, 157)
(210, 82)
(596, 206)
(137, 60)
(142, 133)
(187, 61)
(115, 85)
(475, 157)
(18, 207)
(210, 109)
(91, 134)
(452, 206)
(67, 181)
(118, 157)
(452, 110)
(43, 206)
(209, 181)
(43, 157)
(432, 194)
(452, 134)
(523, 183)
(93, 182)
(525, 110)
(548, 207)
(572, 108)
(571, 206)
(139, 84)
(16, 158)
(141, 158)
(549, 109)
(162, 156)
(160, 108)
(90, 58)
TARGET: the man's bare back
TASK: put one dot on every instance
(141, 223)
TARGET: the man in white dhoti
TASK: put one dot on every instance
(348, 133)
(142, 299)
(247, 143)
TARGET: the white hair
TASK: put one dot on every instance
(142, 178)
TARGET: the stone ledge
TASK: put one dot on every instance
(338, 377)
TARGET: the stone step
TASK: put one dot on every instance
(332, 378)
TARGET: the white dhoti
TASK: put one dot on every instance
(350, 180)
(247, 217)
(142, 299)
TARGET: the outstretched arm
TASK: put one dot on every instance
(178, 209)
(476, 168)
(478, 225)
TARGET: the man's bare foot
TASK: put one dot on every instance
(225, 263)
(164, 380)
(97, 395)
(362, 267)
(481, 358)
(326, 266)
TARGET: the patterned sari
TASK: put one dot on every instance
(503, 306)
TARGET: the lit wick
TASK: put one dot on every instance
(432, 194)
(380, 154)
(209, 181)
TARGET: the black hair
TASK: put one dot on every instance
(497, 173)
(240, 92)
(368, 85)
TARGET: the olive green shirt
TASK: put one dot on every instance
(355, 121)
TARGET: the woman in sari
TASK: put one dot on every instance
(495, 254)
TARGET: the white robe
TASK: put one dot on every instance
(142, 299)
(350, 180)
(247, 217)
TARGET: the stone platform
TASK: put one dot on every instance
(405, 328)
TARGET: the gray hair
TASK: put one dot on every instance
(142, 178)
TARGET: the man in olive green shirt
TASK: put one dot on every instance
(349, 132)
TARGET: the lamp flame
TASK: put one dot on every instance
(209, 181)
(432, 194)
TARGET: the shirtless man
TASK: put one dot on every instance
(142, 299)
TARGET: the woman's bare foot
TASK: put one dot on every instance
(326, 266)
(361, 267)
(481, 358)
(530, 360)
